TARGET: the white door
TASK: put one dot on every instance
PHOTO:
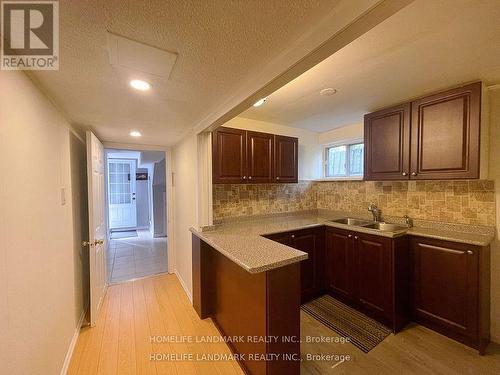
(97, 224)
(121, 194)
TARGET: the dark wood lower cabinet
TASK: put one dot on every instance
(369, 272)
(450, 287)
(339, 263)
(374, 275)
(309, 241)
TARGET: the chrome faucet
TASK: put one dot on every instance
(375, 212)
(408, 221)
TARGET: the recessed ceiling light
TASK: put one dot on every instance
(135, 133)
(140, 85)
(328, 91)
(259, 102)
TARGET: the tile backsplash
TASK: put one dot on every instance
(464, 202)
(257, 199)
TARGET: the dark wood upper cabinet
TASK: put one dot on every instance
(286, 159)
(434, 137)
(241, 156)
(260, 157)
(387, 143)
(229, 156)
(445, 134)
(450, 289)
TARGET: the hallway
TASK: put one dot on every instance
(135, 257)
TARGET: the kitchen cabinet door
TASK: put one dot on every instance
(260, 157)
(338, 263)
(282, 238)
(229, 153)
(387, 144)
(445, 286)
(445, 134)
(310, 241)
(286, 159)
(373, 270)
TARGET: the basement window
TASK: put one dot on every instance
(344, 161)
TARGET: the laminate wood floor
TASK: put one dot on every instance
(135, 311)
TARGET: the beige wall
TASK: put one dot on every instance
(309, 148)
(345, 133)
(41, 260)
(184, 167)
(494, 173)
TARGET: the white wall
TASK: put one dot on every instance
(310, 166)
(41, 259)
(494, 174)
(184, 167)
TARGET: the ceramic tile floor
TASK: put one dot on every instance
(131, 258)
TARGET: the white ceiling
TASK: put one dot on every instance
(427, 46)
(218, 43)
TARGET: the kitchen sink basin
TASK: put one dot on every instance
(352, 221)
(386, 227)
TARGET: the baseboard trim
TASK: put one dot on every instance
(72, 344)
(183, 284)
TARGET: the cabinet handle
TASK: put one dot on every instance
(404, 173)
(355, 237)
(413, 173)
(350, 235)
(469, 252)
(244, 177)
(277, 178)
(293, 236)
(249, 177)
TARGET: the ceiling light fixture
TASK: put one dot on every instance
(140, 85)
(259, 102)
(328, 91)
(135, 133)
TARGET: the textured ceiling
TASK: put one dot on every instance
(219, 43)
(427, 46)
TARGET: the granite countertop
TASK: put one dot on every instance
(241, 239)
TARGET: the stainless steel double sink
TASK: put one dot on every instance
(380, 226)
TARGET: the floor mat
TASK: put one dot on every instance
(363, 332)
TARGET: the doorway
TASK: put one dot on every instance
(136, 214)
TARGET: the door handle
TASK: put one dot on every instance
(87, 243)
(98, 242)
